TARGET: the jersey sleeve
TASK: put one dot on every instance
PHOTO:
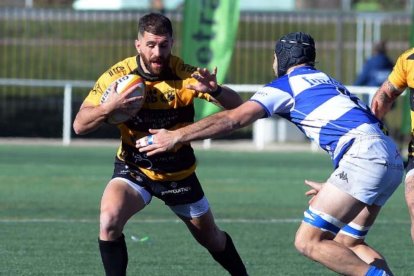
(398, 76)
(94, 96)
(184, 72)
(273, 100)
(116, 71)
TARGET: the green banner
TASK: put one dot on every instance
(209, 34)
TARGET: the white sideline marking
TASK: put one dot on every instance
(247, 221)
(46, 220)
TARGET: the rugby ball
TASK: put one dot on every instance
(125, 83)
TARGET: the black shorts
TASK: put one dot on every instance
(410, 162)
(185, 191)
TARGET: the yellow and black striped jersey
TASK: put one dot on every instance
(168, 104)
(402, 77)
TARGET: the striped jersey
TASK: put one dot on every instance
(168, 104)
(402, 78)
(321, 107)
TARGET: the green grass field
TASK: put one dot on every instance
(49, 203)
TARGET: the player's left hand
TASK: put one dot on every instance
(315, 188)
(207, 82)
(159, 140)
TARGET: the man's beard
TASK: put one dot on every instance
(157, 70)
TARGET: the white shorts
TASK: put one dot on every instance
(370, 170)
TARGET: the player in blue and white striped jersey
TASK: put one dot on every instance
(320, 106)
(367, 165)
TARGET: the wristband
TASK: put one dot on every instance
(217, 92)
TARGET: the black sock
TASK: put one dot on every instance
(114, 256)
(230, 259)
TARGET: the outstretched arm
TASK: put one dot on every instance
(209, 127)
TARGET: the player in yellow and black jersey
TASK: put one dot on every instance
(401, 78)
(171, 87)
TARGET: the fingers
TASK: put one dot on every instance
(148, 146)
(145, 141)
(204, 72)
(315, 185)
(311, 192)
(134, 99)
(190, 86)
(315, 188)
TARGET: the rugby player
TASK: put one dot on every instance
(171, 87)
(397, 82)
(367, 165)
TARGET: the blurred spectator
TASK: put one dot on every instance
(377, 68)
(158, 6)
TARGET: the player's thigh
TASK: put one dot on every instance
(409, 180)
(354, 232)
(337, 203)
(367, 216)
(120, 200)
(330, 210)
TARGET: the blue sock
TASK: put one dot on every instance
(375, 271)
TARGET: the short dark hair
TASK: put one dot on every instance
(155, 23)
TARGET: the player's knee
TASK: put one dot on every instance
(316, 226)
(304, 245)
(109, 226)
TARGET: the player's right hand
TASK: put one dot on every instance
(315, 188)
(159, 141)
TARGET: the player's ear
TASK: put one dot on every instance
(137, 45)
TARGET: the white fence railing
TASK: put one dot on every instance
(264, 130)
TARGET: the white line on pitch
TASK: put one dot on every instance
(241, 220)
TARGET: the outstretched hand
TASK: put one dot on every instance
(160, 140)
(207, 82)
(315, 188)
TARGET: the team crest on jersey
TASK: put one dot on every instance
(168, 96)
(154, 96)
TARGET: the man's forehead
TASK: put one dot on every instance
(155, 38)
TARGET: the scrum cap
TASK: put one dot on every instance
(292, 49)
